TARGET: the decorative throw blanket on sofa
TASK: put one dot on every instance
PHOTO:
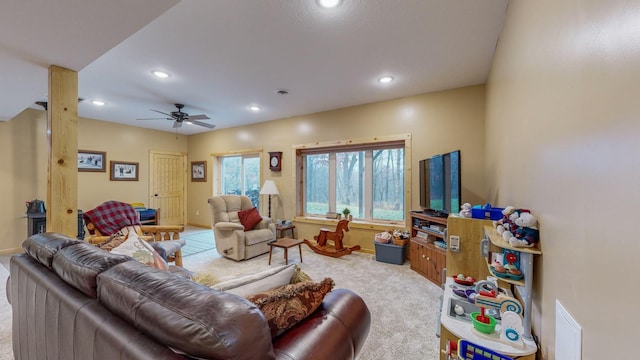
(111, 216)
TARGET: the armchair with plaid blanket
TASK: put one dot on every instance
(110, 217)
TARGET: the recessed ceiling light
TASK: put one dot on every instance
(385, 79)
(328, 3)
(254, 108)
(97, 102)
(160, 74)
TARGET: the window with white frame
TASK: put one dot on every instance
(240, 175)
(368, 179)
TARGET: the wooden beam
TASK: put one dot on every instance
(62, 133)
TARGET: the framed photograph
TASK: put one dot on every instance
(199, 171)
(92, 161)
(124, 171)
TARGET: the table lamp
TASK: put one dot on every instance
(269, 188)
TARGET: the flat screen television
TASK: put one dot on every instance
(440, 183)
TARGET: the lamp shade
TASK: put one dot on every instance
(269, 188)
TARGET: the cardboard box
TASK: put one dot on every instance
(390, 253)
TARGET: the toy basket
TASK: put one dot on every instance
(381, 238)
(470, 351)
(400, 241)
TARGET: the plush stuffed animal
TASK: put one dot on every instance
(466, 210)
(505, 222)
(526, 234)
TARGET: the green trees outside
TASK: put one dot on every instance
(386, 191)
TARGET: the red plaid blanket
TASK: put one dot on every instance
(111, 216)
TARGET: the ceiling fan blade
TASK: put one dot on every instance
(163, 113)
(154, 119)
(177, 124)
(198, 117)
(210, 126)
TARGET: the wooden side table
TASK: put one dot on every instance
(285, 243)
(280, 229)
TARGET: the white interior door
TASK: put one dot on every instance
(167, 186)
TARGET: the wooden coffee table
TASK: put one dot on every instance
(285, 243)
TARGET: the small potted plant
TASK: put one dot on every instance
(347, 214)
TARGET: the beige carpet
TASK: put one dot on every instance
(403, 304)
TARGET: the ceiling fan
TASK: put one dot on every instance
(179, 117)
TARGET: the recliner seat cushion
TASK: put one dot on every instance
(257, 236)
(186, 316)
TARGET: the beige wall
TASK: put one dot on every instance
(23, 154)
(23, 174)
(563, 140)
(123, 143)
(438, 122)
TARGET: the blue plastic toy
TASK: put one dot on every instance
(470, 351)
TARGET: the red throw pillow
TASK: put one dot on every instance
(249, 218)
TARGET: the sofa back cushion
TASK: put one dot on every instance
(186, 316)
(42, 247)
(79, 265)
(224, 208)
(51, 320)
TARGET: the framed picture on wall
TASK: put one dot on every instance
(92, 161)
(124, 171)
(199, 171)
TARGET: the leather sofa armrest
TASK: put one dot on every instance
(7, 289)
(342, 322)
(228, 226)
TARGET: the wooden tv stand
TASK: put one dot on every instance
(425, 257)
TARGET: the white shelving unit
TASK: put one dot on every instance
(524, 285)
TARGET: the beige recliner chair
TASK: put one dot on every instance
(231, 239)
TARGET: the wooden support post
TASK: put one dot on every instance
(62, 133)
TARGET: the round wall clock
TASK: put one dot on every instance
(275, 161)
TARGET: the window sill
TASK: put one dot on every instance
(355, 224)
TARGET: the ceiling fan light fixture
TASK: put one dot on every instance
(385, 79)
(160, 74)
(328, 4)
(179, 117)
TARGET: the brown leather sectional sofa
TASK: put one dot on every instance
(71, 300)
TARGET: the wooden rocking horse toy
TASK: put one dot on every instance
(337, 249)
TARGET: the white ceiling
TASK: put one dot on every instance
(224, 56)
